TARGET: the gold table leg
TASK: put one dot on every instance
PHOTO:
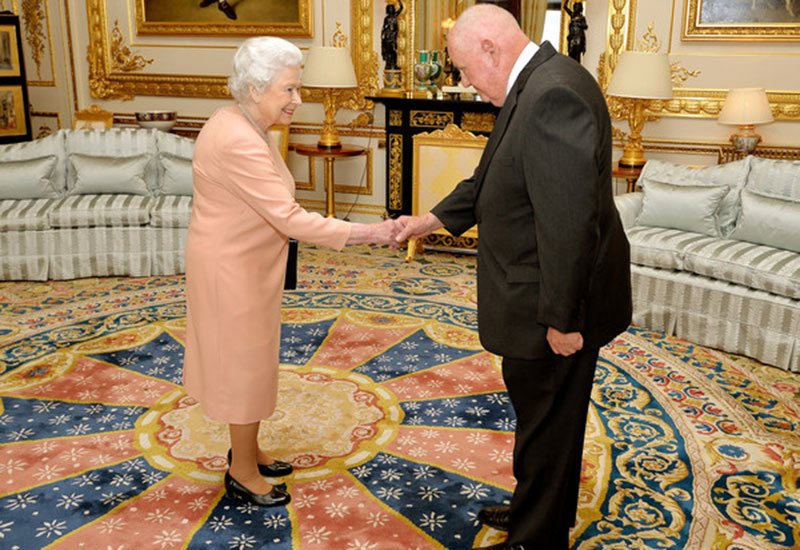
(330, 207)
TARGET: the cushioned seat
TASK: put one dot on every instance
(753, 265)
(27, 214)
(171, 211)
(101, 211)
(662, 247)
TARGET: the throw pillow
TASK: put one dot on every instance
(731, 174)
(177, 177)
(770, 221)
(28, 179)
(686, 207)
(776, 178)
(99, 175)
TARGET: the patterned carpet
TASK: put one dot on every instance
(396, 421)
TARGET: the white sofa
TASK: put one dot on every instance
(83, 203)
(715, 255)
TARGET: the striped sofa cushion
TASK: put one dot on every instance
(756, 266)
(21, 215)
(101, 210)
(171, 211)
(662, 247)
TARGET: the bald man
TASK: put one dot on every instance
(553, 260)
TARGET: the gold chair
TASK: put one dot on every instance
(93, 118)
(442, 158)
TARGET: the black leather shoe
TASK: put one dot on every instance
(276, 497)
(227, 9)
(206, 3)
(276, 469)
(496, 517)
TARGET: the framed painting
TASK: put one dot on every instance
(13, 114)
(290, 18)
(750, 20)
(9, 51)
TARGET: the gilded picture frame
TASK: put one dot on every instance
(755, 20)
(9, 51)
(107, 82)
(13, 117)
(287, 18)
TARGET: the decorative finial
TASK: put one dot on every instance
(649, 42)
(339, 38)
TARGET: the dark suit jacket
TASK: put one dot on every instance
(551, 248)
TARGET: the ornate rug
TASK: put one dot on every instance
(396, 421)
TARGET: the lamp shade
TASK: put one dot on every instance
(746, 106)
(329, 67)
(643, 75)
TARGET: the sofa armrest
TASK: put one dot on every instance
(629, 205)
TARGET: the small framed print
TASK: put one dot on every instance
(13, 114)
(9, 51)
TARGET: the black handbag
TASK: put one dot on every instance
(291, 267)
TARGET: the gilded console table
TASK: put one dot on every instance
(406, 117)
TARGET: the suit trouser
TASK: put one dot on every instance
(551, 400)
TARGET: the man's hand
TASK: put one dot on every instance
(384, 232)
(414, 227)
(564, 343)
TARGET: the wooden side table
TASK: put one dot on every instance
(329, 155)
(630, 175)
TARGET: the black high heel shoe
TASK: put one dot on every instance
(276, 469)
(276, 497)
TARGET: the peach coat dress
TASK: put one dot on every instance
(242, 217)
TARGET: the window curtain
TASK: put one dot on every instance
(531, 17)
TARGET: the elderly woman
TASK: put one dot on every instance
(243, 216)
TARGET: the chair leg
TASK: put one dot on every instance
(414, 246)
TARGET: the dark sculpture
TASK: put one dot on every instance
(576, 37)
(389, 35)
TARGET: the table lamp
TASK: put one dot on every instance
(746, 107)
(639, 78)
(329, 68)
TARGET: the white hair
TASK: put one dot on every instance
(257, 62)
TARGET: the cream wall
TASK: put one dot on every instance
(56, 43)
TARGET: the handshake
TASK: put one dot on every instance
(394, 232)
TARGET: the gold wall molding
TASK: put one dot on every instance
(45, 129)
(107, 83)
(123, 59)
(10, 5)
(34, 20)
(686, 103)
